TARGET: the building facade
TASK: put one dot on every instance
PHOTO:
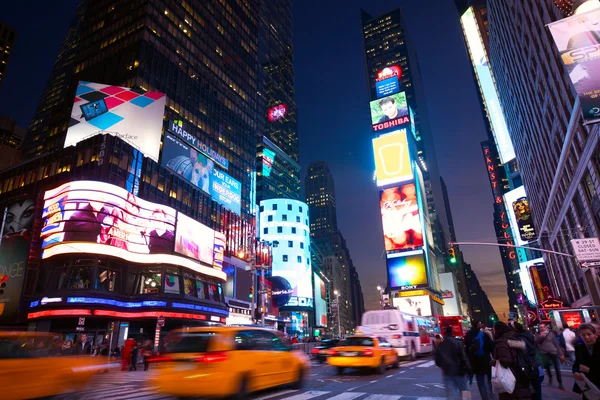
(11, 137)
(320, 197)
(556, 152)
(7, 42)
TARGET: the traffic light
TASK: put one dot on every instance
(251, 292)
(3, 281)
(452, 255)
(269, 292)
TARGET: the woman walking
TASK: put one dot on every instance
(587, 357)
(508, 349)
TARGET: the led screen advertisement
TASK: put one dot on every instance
(268, 157)
(487, 86)
(14, 254)
(320, 301)
(578, 41)
(392, 158)
(134, 115)
(97, 212)
(519, 215)
(402, 228)
(387, 81)
(407, 271)
(194, 240)
(526, 282)
(196, 167)
(389, 112)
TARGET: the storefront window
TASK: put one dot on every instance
(106, 279)
(189, 287)
(149, 280)
(79, 278)
(202, 290)
(172, 281)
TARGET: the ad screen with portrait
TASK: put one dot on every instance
(400, 219)
(194, 239)
(101, 213)
(389, 112)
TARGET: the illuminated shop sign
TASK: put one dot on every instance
(487, 86)
(277, 112)
(392, 158)
(178, 129)
(389, 112)
(387, 81)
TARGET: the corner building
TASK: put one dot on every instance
(556, 153)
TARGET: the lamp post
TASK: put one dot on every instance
(337, 300)
(380, 290)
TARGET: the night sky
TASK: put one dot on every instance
(333, 112)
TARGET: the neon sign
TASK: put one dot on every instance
(277, 112)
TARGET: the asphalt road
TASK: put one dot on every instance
(417, 380)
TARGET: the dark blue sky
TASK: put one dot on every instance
(332, 98)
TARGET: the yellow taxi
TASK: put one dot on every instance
(362, 351)
(226, 362)
(31, 367)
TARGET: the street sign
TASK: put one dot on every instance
(160, 321)
(586, 249)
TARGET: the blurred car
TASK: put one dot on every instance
(31, 367)
(321, 352)
(226, 362)
(361, 351)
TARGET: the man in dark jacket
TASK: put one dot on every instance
(82, 346)
(508, 348)
(479, 348)
(551, 351)
(451, 358)
(536, 375)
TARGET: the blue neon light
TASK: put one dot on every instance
(200, 308)
(34, 304)
(116, 303)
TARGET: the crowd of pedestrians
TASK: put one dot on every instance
(529, 356)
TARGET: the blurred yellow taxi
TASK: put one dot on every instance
(29, 368)
(362, 351)
(226, 362)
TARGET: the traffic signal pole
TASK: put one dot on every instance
(510, 245)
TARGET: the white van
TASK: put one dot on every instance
(408, 334)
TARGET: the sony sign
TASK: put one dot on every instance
(300, 302)
(189, 138)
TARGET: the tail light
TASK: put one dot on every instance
(397, 336)
(212, 357)
(333, 353)
(160, 359)
(315, 351)
(368, 353)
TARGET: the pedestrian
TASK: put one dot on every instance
(508, 349)
(570, 339)
(479, 347)
(587, 357)
(134, 358)
(551, 353)
(451, 358)
(147, 353)
(537, 372)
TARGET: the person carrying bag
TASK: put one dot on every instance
(508, 380)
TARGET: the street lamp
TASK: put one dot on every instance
(337, 299)
(380, 289)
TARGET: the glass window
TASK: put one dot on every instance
(244, 340)
(301, 245)
(290, 243)
(149, 280)
(262, 208)
(189, 287)
(285, 257)
(284, 217)
(270, 218)
(279, 229)
(172, 281)
(297, 218)
(293, 230)
(299, 259)
(358, 341)
(79, 277)
(106, 279)
(266, 231)
(202, 290)
(274, 207)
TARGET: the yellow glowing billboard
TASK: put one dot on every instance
(392, 158)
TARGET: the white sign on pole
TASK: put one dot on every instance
(586, 249)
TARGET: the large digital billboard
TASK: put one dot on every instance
(389, 112)
(407, 271)
(526, 282)
(97, 212)
(387, 81)
(320, 301)
(14, 254)
(194, 166)
(134, 115)
(487, 86)
(402, 228)
(194, 239)
(392, 158)
(578, 41)
(519, 215)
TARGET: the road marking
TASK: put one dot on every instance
(276, 394)
(307, 395)
(409, 379)
(440, 386)
(427, 364)
(347, 396)
(423, 386)
(408, 364)
(402, 372)
(373, 382)
(383, 397)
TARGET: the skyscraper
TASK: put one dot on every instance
(320, 197)
(278, 150)
(203, 56)
(7, 41)
(557, 154)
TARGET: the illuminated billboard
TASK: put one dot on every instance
(402, 228)
(407, 271)
(389, 112)
(219, 251)
(519, 215)
(268, 157)
(387, 81)
(578, 41)
(392, 158)
(487, 86)
(133, 115)
(320, 301)
(526, 282)
(194, 239)
(97, 212)
(194, 166)
(277, 112)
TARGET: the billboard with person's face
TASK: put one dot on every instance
(105, 214)
(519, 215)
(14, 254)
(389, 112)
(194, 239)
(134, 115)
(402, 228)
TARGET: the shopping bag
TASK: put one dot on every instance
(503, 380)
(465, 395)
